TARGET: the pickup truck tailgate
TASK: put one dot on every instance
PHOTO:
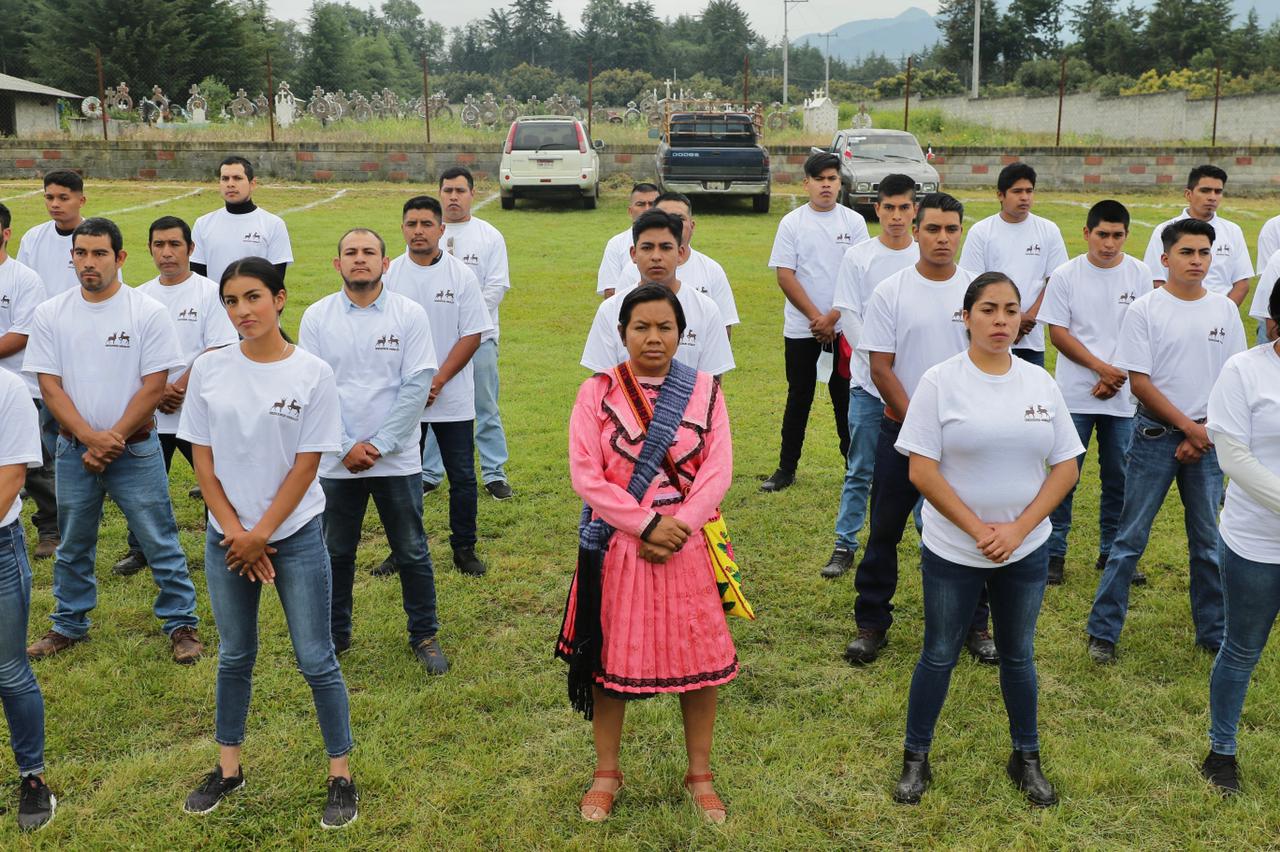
(714, 164)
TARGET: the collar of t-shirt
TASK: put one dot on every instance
(408, 257)
(63, 233)
(239, 208)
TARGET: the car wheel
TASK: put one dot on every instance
(508, 202)
(589, 201)
(760, 203)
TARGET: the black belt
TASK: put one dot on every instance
(138, 437)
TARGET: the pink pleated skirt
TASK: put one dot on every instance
(663, 626)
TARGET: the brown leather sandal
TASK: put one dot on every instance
(599, 798)
(706, 802)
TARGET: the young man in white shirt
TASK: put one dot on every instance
(1174, 343)
(1022, 245)
(379, 346)
(1084, 307)
(913, 321)
(481, 247)
(1262, 295)
(697, 270)
(1231, 269)
(241, 228)
(657, 252)
(863, 267)
(617, 252)
(192, 304)
(450, 294)
(807, 250)
(21, 292)
(102, 354)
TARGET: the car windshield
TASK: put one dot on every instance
(545, 136)
(712, 129)
(868, 148)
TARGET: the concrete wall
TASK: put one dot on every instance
(1163, 117)
(1252, 170)
(35, 115)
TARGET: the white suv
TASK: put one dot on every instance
(549, 155)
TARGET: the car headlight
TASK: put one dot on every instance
(863, 186)
(931, 186)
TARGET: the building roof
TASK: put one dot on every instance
(17, 84)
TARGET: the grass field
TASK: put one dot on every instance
(491, 756)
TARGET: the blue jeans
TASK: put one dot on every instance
(1114, 435)
(491, 441)
(138, 484)
(865, 414)
(1251, 597)
(457, 448)
(1151, 469)
(1031, 356)
(398, 500)
(303, 584)
(893, 500)
(23, 703)
(950, 593)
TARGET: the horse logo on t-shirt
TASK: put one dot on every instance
(444, 296)
(252, 237)
(1128, 298)
(118, 340)
(388, 342)
(4, 302)
(958, 316)
(690, 338)
(471, 259)
(188, 315)
(290, 411)
(1036, 413)
(1033, 250)
(1217, 335)
(844, 238)
(1222, 248)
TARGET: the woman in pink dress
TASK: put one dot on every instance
(644, 614)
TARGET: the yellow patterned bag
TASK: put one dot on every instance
(725, 569)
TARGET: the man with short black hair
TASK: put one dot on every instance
(1231, 269)
(617, 252)
(481, 247)
(102, 354)
(807, 250)
(241, 228)
(1022, 245)
(1174, 342)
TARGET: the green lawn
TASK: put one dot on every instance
(491, 756)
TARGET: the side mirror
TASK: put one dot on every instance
(598, 144)
(655, 133)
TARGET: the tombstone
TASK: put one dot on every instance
(286, 103)
(197, 106)
(821, 115)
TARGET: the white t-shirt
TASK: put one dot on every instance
(993, 438)
(1245, 404)
(222, 238)
(704, 345)
(812, 244)
(1091, 303)
(48, 253)
(450, 294)
(256, 418)
(1181, 345)
(371, 350)
(101, 350)
(617, 254)
(1258, 308)
(1268, 240)
(1027, 252)
(200, 320)
(21, 292)
(920, 321)
(19, 434)
(1230, 255)
(862, 269)
(699, 272)
(481, 247)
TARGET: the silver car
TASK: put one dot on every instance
(869, 154)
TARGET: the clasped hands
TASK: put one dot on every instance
(823, 328)
(101, 449)
(998, 542)
(1111, 381)
(249, 555)
(666, 537)
(361, 457)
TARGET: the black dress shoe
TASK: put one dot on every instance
(866, 647)
(1101, 651)
(466, 561)
(915, 778)
(131, 564)
(1222, 771)
(386, 568)
(341, 644)
(428, 487)
(982, 647)
(195, 493)
(1057, 568)
(1138, 579)
(779, 480)
(840, 562)
(1101, 563)
(1024, 771)
(499, 489)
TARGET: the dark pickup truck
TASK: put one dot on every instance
(714, 153)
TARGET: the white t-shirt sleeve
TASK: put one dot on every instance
(1056, 307)
(603, 350)
(1258, 308)
(473, 316)
(1134, 351)
(720, 291)
(200, 235)
(1241, 263)
(1268, 240)
(1066, 440)
(41, 354)
(1155, 248)
(193, 422)
(1229, 409)
(218, 330)
(846, 292)
(497, 279)
(973, 254)
(879, 323)
(1057, 250)
(921, 431)
(716, 357)
(160, 348)
(309, 336)
(29, 296)
(321, 428)
(418, 349)
(19, 427)
(279, 249)
(1236, 341)
(785, 245)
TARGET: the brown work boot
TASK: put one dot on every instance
(51, 643)
(186, 645)
(46, 547)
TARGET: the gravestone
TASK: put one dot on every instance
(821, 115)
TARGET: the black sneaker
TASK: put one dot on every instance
(341, 644)
(36, 804)
(387, 568)
(431, 655)
(428, 487)
(130, 564)
(1138, 579)
(840, 562)
(1222, 771)
(341, 808)
(1101, 651)
(866, 647)
(195, 493)
(779, 480)
(212, 790)
(499, 489)
(982, 647)
(1057, 568)
(466, 561)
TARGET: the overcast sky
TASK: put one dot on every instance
(766, 15)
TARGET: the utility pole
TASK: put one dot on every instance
(977, 37)
(786, 44)
(826, 82)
